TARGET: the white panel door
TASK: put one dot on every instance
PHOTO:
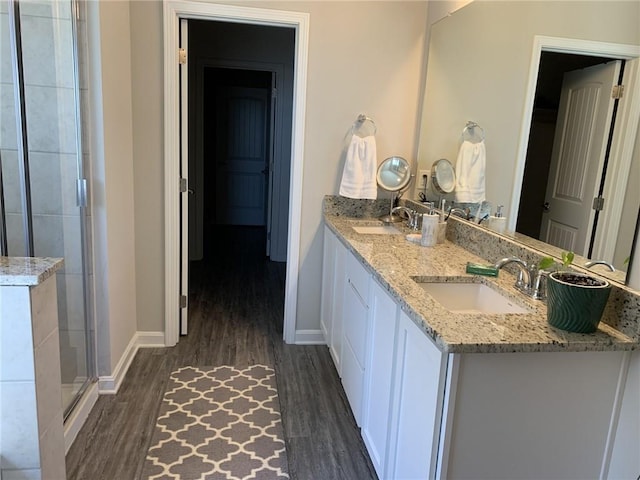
(242, 154)
(584, 120)
(184, 196)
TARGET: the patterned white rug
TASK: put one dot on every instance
(218, 423)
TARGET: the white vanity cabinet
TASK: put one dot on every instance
(333, 283)
(392, 373)
(425, 414)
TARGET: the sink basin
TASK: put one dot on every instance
(470, 298)
(376, 229)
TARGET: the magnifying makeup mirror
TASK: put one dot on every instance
(443, 176)
(394, 175)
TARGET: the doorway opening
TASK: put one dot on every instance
(239, 134)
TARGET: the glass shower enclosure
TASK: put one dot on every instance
(43, 201)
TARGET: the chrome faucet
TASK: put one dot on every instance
(411, 215)
(600, 262)
(460, 212)
(524, 278)
(529, 279)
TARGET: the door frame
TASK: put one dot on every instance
(627, 119)
(173, 11)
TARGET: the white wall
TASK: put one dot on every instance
(147, 85)
(112, 180)
(364, 57)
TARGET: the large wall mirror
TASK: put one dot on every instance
(504, 65)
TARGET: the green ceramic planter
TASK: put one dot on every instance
(576, 308)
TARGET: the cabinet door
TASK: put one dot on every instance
(339, 280)
(376, 416)
(625, 459)
(417, 403)
(328, 273)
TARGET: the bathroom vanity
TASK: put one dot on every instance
(446, 389)
(31, 424)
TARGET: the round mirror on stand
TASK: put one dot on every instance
(394, 175)
(443, 176)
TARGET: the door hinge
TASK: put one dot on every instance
(183, 185)
(183, 301)
(182, 56)
(617, 91)
(274, 92)
(598, 203)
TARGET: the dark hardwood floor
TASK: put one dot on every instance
(236, 314)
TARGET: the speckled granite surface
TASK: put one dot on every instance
(395, 262)
(27, 271)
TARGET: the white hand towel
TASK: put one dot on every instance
(470, 166)
(360, 167)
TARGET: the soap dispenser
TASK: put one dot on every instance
(430, 222)
(498, 222)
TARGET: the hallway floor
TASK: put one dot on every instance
(235, 318)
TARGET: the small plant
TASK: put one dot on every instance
(548, 262)
(575, 301)
(563, 272)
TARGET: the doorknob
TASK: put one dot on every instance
(546, 207)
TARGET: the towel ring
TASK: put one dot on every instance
(472, 132)
(364, 126)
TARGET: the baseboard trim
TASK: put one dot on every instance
(81, 411)
(109, 384)
(150, 339)
(309, 337)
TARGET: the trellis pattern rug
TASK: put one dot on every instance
(218, 423)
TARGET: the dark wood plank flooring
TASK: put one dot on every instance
(236, 314)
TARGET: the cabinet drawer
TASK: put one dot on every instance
(352, 381)
(358, 276)
(355, 323)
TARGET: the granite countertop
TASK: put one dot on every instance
(393, 261)
(27, 271)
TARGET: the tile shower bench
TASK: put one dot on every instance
(31, 423)
(440, 394)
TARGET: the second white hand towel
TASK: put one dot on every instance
(470, 184)
(360, 166)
